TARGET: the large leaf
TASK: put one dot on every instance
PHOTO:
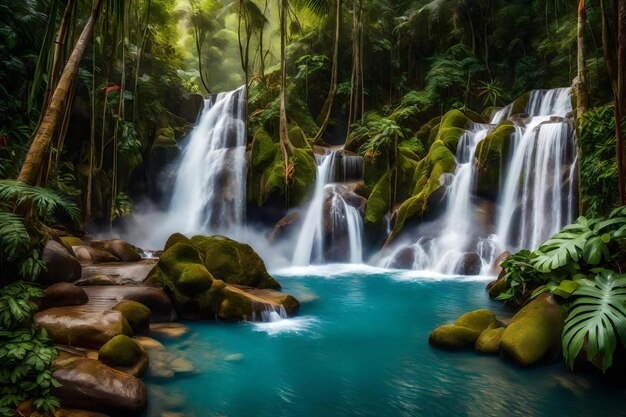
(598, 315)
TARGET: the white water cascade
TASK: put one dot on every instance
(537, 196)
(210, 189)
(343, 219)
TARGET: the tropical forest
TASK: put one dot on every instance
(304, 208)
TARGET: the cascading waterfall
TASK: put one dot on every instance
(209, 192)
(534, 204)
(343, 219)
(538, 195)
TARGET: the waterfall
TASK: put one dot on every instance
(343, 221)
(537, 198)
(533, 204)
(209, 191)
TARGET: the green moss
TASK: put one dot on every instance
(475, 117)
(305, 171)
(375, 168)
(166, 132)
(234, 262)
(173, 260)
(235, 305)
(121, 351)
(174, 239)
(297, 137)
(378, 203)
(520, 104)
(500, 286)
(488, 113)
(534, 333)
(194, 279)
(478, 320)
(455, 118)
(491, 154)
(451, 336)
(136, 314)
(489, 340)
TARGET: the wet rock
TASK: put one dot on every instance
(465, 331)
(495, 266)
(155, 299)
(149, 343)
(89, 255)
(98, 280)
(63, 294)
(166, 364)
(74, 327)
(122, 250)
(125, 354)
(469, 264)
(489, 340)
(27, 409)
(137, 315)
(403, 259)
(91, 385)
(61, 266)
(284, 226)
(534, 333)
(169, 330)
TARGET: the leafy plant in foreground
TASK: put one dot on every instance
(521, 276)
(598, 315)
(26, 353)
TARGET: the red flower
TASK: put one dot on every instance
(112, 87)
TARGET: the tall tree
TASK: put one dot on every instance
(285, 143)
(620, 95)
(582, 93)
(32, 165)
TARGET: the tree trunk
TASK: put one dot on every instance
(327, 108)
(41, 142)
(582, 94)
(620, 96)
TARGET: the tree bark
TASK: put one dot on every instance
(43, 137)
(582, 94)
(620, 96)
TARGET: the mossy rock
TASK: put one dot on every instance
(136, 314)
(478, 320)
(520, 104)
(451, 336)
(184, 269)
(305, 172)
(235, 306)
(489, 340)
(194, 279)
(375, 168)
(72, 241)
(121, 351)
(234, 262)
(378, 203)
(498, 287)
(174, 239)
(534, 334)
(298, 138)
(491, 154)
(488, 113)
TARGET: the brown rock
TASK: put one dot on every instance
(61, 265)
(90, 384)
(73, 327)
(122, 250)
(89, 255)
(63, 294)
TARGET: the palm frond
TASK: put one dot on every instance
(14, 237)
(46, 202)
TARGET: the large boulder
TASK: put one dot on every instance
(89, 255)
(534, 334)
(122, 250)
(125, 354)
(74, 327)
(465, 331)
(28, 409)
(233, 262)
(190, 271)
(489, 340)
(469, 264)
(137, 315)
(61, 265)
(63, 294)
(91, 385)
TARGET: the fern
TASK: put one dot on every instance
(14, 238)
(45, 202)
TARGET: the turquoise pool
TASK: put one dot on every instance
(360, 347)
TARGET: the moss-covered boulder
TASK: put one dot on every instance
(465, 331)
(122, 250)
(233, 262)
(124, 352)
(174, 239)
(491, 154)
(497, 287)
(237, 287)
(478, 320)
(451, 336)
(534, 334)
(489, 340)
(136, 314)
